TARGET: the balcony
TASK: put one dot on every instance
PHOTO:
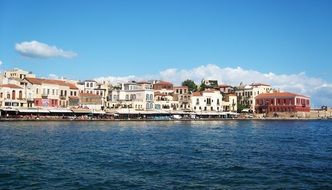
(30, 99)
(44, 96)
(62, 97)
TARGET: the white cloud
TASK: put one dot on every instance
(0, 62)
(116, 80)
(53, 76)
(37, 49)
(319, 90)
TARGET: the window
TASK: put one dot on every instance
(218, 103)
(13, 94)
(20, 94)
(208, 101)
(197, 101)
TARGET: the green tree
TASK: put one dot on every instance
(202, 86)
(240, 107)
(191, 85)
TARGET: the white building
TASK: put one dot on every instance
(206, 101)
(135, 95)
(12, 96)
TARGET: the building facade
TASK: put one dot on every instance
(206, 101)
(281, 102)
(246, 93)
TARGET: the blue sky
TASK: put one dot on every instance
(144, 37)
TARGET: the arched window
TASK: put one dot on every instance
(13, 95)
(20, 95)
(8, 95)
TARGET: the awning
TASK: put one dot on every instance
(42, 111)
(246, 110)
(28, 110)
(98, 112)
(60, 111)
(82, 111)
(211, 113)
(8, 109)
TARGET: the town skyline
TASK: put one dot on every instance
(286, 44)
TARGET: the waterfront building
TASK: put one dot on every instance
(12, 96)
(73, 98)
(90, 101)
(246, 93)
(207, 101)
(229, 102)
(281, 102)
(164, 101)
(48, 92)
(132, 95)
(182, 96)
(93, 87)
(163, 96)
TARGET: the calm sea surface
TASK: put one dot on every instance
(166, 155)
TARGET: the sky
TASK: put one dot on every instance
(287, 43)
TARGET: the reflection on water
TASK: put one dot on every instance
(170, 154)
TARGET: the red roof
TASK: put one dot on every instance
(51, 81)
(197, 94)
(278, 95)
(164, 82)
(72, 86)
(10, 86)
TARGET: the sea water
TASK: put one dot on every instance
(166, 155)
